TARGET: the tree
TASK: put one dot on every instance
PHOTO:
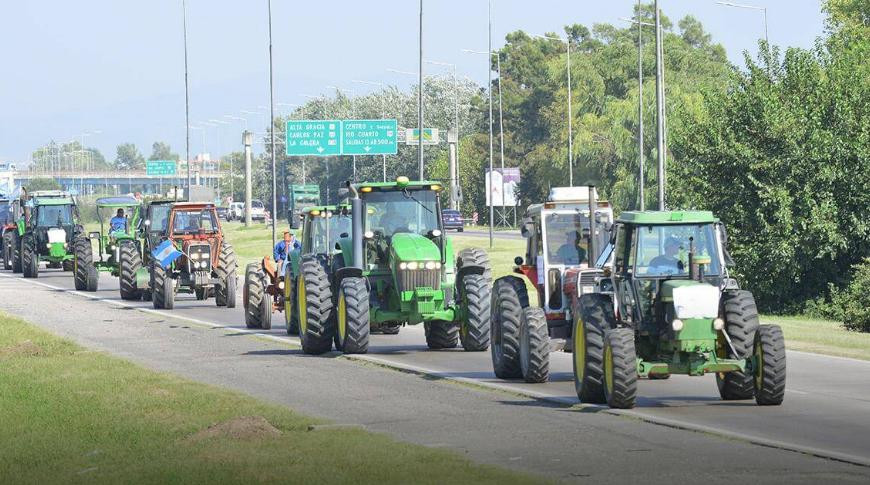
(162, 151)
(43, 184)
(129, 158)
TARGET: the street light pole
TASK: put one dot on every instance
(570, 111)
(383, 116)
(420, 97)
(660, 109)
(640, 175)
(489, 73)
(272, 128)
(186, 99)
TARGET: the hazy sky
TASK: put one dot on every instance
(116, 66)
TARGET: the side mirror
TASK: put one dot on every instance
(343, 235)
(434, 233)
(518, 261)
(528, 229)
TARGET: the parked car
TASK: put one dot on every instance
(223, 213)
(236, 211)
(258, 211)
(452, 219)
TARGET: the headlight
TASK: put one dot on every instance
(194, 256)
(677, 325)
(718, 324)
(403, 265)
(48, 245)
(437, 265)
(430, 265)
(412, 265)
(280, 285)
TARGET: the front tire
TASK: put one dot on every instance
(16, 253)
(258, 306)
(291, 315)
(7, 250)
(593, 316)
(225, 271)
(741, 324)
(476, 300)
(353, 327)
(620, 368)
(314, 303)
(534, 346)
(769, 372)
(509, 298)
(84, 271)
(441, 334)
(129, 262)
(162, 288)
(29, 258)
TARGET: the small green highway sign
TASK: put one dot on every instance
(160, 168)
(320, 138)
(369, 137)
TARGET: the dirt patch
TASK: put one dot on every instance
(241, 428)
(22, 349)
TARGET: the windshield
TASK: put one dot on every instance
(194, 220)
(664, 250)
(338, 225)
(566, 241)
(397, 211)
(159, 218)
(54, 215)
(5, 212)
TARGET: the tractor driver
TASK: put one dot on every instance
(284, 248)
(394, 220)
(669, 258)
(119, 222)
(572, 252)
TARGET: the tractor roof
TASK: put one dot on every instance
(48, 193)
(667, 217)
(117, 202)
(399, 184)
(192, 205)
(52, 201)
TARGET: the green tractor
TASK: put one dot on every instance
(119, 245)
(50, 230)
(153, 230)
(268, 287)
(668, 306)
(396, 267)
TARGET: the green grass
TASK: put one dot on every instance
(802, 333)
(68, 415)
(251, 243)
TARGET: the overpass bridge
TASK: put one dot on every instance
(117, 182)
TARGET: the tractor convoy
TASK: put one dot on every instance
(641, 295)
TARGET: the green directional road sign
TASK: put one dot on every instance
(313, 137)
(369, 137)
(160, 168)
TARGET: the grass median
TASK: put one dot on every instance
(71, 415)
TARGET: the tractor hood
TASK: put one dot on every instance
(691, 299)
(414, 247)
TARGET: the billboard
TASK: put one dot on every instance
(504, 187)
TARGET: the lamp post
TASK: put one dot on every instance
(383, 116)
(660, 108)
(750, 7)
(350, 100)
(640, 174)
(567, 43)
(420, 96)
(186, 99)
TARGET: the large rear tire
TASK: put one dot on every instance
(258, 309)
(509, 298)
(620, 368)
(129, 262)
(225, 271)
(475, 257)
(84, 271)
(593, 316)
(534, 346)
(162, 288)
(291, 315)
(441, 334)
(16, 253)
(7, 250)
(29, 258)
(353, 326)
(769, 372)
(475, 298)
(316, 313)
(741, 324)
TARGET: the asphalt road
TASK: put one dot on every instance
(531, 427)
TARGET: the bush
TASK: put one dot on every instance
(852, 303)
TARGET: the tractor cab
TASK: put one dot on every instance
(50, 215)
(119, 221)
(562, 246)
(323, 227)
(668, 266)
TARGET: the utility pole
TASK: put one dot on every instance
(186, 98)
(489, 71)
(660, 109)
(640, 174)
(420, 97)
(247, 139)
(272, 128)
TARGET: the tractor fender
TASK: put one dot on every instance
(469, 270)
(346, 272)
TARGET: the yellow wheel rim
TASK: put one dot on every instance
(579, 351)
(608, 368)
(288, 301)
(300, 304)
(342, 317)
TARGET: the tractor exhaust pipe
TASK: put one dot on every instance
(591, 257)
(356, 225)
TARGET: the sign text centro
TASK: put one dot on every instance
(313, 137)
(369, 137)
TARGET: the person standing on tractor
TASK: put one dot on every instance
(284, 248)
(119, 222)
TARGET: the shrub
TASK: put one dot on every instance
(852, 303)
